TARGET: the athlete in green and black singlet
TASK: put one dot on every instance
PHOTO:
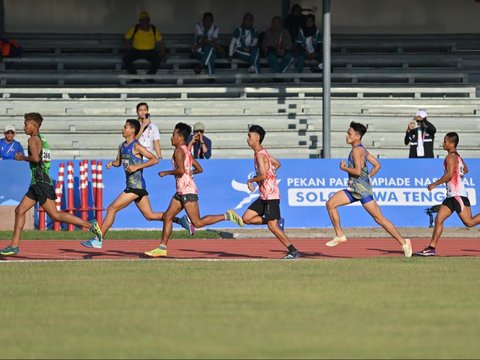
(41, 171)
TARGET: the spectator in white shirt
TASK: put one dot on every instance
(148, 136)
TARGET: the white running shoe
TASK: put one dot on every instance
(336, 240)
(407, 248)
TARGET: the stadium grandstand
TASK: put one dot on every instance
(71, 71)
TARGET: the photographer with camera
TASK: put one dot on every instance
(198, 143)
(420, 135)
(148, 136)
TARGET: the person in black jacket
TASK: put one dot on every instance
(420, 135)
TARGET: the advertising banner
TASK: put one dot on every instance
(400, 188)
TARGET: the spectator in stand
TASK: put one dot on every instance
(198, 143)
(8, 146)
(309, 42)
(206, 46)
(295, 21)
(144, 41)
(420, 135)
(148, 136)
(244, 44)
(277, 46)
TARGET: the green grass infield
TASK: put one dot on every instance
(333, 308)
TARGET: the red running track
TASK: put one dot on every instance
(232, 249)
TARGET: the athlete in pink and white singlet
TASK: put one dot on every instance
(455, 187)
(185, 183)
(186, 195)
(266, 209)
(457, 200)
(268, 188)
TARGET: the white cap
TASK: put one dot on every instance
(422, 113)
(198, 126)
(10, 127)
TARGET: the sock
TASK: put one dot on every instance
(227, 217)
(163, 247)
(176, 220)
(291, 248)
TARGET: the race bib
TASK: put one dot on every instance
(46, 155)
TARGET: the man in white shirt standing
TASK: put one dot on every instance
(148, 136)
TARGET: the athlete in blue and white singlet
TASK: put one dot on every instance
(134, 180)
(360, 189)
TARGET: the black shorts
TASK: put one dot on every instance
(139, 192)
(454, 205)
(40, 192)
(185, 198)
(269, 209)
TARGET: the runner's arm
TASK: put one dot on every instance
(375, 165)
(451, 163)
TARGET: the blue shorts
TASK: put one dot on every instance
(363, 200)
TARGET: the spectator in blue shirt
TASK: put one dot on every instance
(8, 146)
(199, 144)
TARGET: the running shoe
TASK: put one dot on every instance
(92, 243)
(234, 217)
(281, 223)
(407, 248)
(187, 225)
(292, 255)
(9, 251)
(95, 230)
(157, 252)
(336, 240)
(428, 251)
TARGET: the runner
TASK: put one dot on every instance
(41, 186)
(130, 156)
(186, 196)
(457, 198)
(360, 189)
(266, 209)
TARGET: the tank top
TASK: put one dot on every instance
(268, 188)
(134, 180)
(185, 183)
(359, 186)
(41, 171)
(455, 186)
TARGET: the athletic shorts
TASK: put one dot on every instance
(269, 209)
(453, 204)
(363, 200)
(139, 192)
(185, 198)
(40, 192)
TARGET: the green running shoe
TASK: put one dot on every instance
(234, 217)
(9, 251)
(95, 230)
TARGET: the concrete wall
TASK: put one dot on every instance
(7, 218)
(179, 16)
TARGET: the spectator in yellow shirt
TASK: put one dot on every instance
(142, 42)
